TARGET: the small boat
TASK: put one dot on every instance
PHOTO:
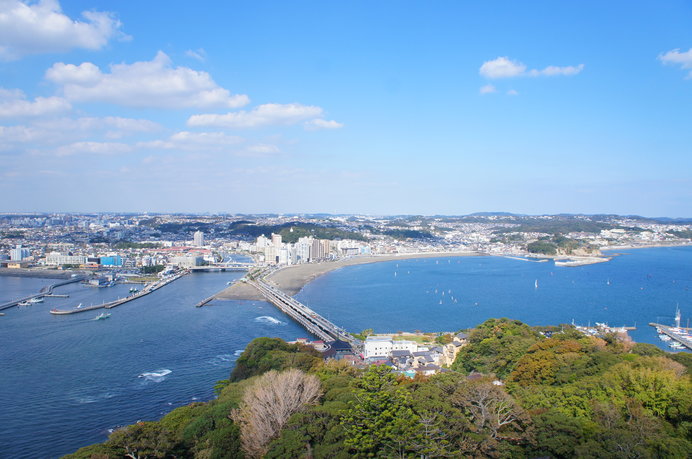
(36, 300)
(664, 338)
(536, 284)
(676, 345)
(229, 283)
(133, 290)
(24, 303)
(103, 316)
(79, 306)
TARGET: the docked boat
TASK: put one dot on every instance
(133, 290)
(665, 338)
(676, 345)
(79, 306)
(24, 303)
(36, 300)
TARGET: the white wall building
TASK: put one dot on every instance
(19, 253)
(198, 239)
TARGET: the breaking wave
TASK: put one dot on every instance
(155, 376)
(269, 320)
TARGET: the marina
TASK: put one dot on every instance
(45, 292)
(135, 294)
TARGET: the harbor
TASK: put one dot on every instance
(45, 292)
(149, 288)
(677, 337)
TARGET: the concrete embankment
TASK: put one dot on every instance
(41, 273)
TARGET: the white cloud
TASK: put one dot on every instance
(488, 89)
(14, 104)
(93, 148)
(504, 67)
(675, 57)
(154, 83)
(553, 70)
(319, 123)
(263, 115)
(57, 131)
(200, 54)
(512, 92)
(185, 140)
(41, 27)
(262, 149)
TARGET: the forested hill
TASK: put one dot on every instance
(512, 392)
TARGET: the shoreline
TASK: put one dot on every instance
(292, 279)
(39, 273)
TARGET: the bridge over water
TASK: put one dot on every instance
(313, 322)
(230, 266)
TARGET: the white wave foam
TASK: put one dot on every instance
(222, 360)
(238, 352)
(269, 320)
(155, 376)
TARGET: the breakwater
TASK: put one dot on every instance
(112, 304)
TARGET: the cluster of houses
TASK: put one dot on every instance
(404, 356)
(409, 357)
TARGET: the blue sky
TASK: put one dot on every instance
(375, 107)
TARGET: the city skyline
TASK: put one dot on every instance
(361, 108)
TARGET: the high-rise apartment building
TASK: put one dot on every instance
(198, 239)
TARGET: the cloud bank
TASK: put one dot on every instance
(147, 84)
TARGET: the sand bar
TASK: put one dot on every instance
(293, 278)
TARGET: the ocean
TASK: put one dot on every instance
(67, 381)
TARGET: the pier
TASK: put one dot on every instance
(112, 304)
(313, 322)
(44, 292)
(674, 333)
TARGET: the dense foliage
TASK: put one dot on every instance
(512, 392)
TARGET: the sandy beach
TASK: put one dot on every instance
(293, 278)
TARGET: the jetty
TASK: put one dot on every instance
(150, 288)
(205, 301)
(675, 333)
(44, 292)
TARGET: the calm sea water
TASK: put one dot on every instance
(65, 381)
(436, 294)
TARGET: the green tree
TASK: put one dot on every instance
(495, 346)
(381, 422)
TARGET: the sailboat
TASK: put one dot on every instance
(536, 284)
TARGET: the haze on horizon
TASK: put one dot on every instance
(362, 107)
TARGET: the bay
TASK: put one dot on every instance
(66, 381)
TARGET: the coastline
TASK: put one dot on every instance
(292, 279)
(39, 273)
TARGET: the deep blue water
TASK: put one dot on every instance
(64, 381)
(645, 286)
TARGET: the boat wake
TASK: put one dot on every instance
(269, 320)
(155, 376)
